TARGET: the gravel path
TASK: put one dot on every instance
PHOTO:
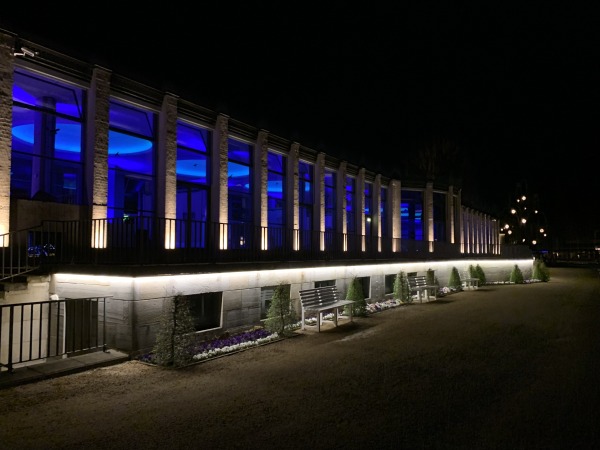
(503, 367)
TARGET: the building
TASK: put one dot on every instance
(114, 191)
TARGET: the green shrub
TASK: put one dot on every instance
(281, 315)
(175, 337)
(355, 293)
(479, 273)
(516, 276)
(454, 282)
(540, 271)
(401, 291)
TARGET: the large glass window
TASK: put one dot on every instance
(193, 185)
(383, 211)
(239, 183)
(351, 204)
(368, 210)
(306, 202)
(276, 164)
(439, 217)
(330, 208)
(47, 140)
(411, 215)
(131, 164)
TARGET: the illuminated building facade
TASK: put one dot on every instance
(109, 187)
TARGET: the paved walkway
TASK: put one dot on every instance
(501, 367)
(60, 367)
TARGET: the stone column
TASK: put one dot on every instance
(394, 191)
(360, 207)
(96, 152)
(166, 167)
(259, 183)
(319, 218)
(376, 212)
(7, 45)
(450, 215)
(459, 230)
(340, 190)
(428, 232)
(292, 200)
(219, 210)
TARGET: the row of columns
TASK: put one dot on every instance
(474, 230)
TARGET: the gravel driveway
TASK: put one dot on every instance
(502, 367)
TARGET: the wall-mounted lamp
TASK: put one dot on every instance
(26, 52)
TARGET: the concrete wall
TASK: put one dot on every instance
(136, 304)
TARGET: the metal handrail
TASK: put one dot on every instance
(140, 241)
(39, 330)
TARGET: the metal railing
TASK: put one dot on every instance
(159, 241)
(36, 331)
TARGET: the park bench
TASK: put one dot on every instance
(420, 289)
(325, 298)
(469, 282)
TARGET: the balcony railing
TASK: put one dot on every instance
(157, 241)
(36, 331)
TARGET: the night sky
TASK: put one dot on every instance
(516, 89)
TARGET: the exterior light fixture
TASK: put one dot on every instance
(25, 52)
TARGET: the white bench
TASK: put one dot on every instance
(419, 288)
(469, 282)
(322, 299)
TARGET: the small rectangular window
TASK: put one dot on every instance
(324, 283)
(206, 310)
(389, 283)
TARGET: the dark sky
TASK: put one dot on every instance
(516, 88)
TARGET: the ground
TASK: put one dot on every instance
(503, 367)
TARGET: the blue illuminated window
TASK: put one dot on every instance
(131, 167)
(193, 188)
(276, 164)
(383, 219)
(411, 214)
(368, 208)
(47, 140)
(330, 197)
(240, 204)
(439, 216)
(351, 204)
(306, 203)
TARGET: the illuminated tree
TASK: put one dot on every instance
(525, 223)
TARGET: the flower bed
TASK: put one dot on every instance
(221, 346)
(211, 349)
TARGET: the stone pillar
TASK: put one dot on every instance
(293, 202)
(260, 182)
(394, 192)
(450, 215)
(219, 172)
(376, 213)
(7, 45)
(341, 224)
(428, 211)
(166, 167)
(360, 207)
(319, 217)
(96, 152)
(459, 230)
